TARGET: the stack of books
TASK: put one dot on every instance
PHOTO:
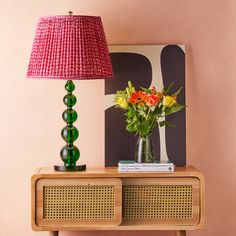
(132, 166)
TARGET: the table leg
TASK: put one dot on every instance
(53, 233)
(180, 233)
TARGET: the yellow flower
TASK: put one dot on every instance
(168, 101)
(122, 102)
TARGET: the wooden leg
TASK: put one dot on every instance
(53, 233)
(180, 233)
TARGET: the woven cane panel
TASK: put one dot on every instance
(157, 202)
(78, 202)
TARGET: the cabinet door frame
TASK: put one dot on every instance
(41, 221)
(162, 181)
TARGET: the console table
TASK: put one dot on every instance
(104, 199)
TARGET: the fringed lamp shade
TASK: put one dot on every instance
(71, 48)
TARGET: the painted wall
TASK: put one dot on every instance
(30, 120)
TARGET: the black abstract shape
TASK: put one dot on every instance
(129, 66)
(119, 143)
(173, 70)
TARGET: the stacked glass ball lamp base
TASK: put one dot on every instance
(69, 153)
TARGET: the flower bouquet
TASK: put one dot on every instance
(144, 110)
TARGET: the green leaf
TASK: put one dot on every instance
(132, 120)
(167, 90)
(174, 109)
(129, 114)
(162, 123)
(177, 92)
(130, 128)
(165, 123)
(141, 113)
(143, 128)
(148, 91)
(132, 123)
(152, 121)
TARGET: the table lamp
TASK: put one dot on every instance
(70, 47)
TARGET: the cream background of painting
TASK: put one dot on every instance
(31, 109)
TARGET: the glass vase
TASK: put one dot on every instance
(144, 152)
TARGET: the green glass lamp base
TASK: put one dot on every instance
(80, 167)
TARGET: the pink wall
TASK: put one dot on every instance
(31, 110)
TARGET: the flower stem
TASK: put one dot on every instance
(148, 113)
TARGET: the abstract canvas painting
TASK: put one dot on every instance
(145, 66)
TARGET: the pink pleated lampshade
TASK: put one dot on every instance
(70, 47)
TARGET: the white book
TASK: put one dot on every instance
(162, 168)
(147, 165)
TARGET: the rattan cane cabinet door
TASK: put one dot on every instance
(162, 201)
(64, 203)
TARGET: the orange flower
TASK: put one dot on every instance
(138, 97)
(153, 90)
(152, 100)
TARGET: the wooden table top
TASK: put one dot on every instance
(44, 172)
